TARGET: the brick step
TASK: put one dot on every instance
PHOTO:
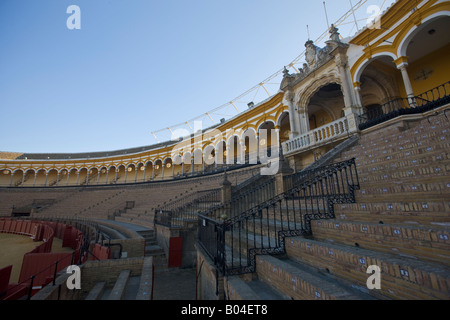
(140, 222)
(395, 194)
(418, 242)
(152, 250)
(401, 277)
(409, 177)
(388, 162)
(118, 290)
(426, 207)
(367, 147)
(254, 290)
(417, 134)
(415, 219)
(365, 156)
(97, 291)
(424, 166)
(146, 283)
(301, 282)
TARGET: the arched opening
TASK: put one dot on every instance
(380, 86)
(130, 173)
(428, 48)
(285, 127)
(157, 170)
(101, 178)
(5, 177)
(41, 178)
(325, 106)
(177, 165)
(198, 160)
(147, 171)
(187, 163)
(221, 154)
(233, 151)
(251, 147)
(111, 175)
(139, 175)
(168, 169)
(267, 140)
(16, 178)
(52, 178)
(82, 178)
(209, 158)
(29, 178)
(120, 174)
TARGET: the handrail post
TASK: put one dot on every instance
(31, 288)
(54, 272)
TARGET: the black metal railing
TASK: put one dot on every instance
(187, 208)
(426, 101)
(233, 243)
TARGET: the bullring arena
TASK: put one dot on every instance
(343, 171)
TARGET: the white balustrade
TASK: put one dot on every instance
(328, 132)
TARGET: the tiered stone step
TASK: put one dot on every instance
(401, 277)
(400, 223)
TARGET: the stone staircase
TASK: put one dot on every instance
(127, 286)
(400, 222)
(152, 249)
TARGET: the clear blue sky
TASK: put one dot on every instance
(137, 66)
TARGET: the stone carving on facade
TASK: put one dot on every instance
(315, 57)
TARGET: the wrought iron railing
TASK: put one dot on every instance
(187, 208)
(234, 242)
(426, 101)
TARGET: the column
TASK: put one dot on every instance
(145, 170)
(87, 177)
(98, 176)
(135, 173)
(35, 178)
(68, 176)
(242, 143)
(57, 179)
(162, 171)
(46, 178)
(78, 177)
(293, 114)
(115, 175)
(345, 84)
(11, 179)
(358, 97)
(303, 120)
(126, 174)
(402, 66)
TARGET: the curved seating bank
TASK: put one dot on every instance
(40, 266)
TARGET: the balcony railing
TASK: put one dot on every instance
(426, 101)
(329, 132)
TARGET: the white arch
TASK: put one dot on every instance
(177, 159)
(403, 46)
(187, 156)
(363, 65)
(286, 112)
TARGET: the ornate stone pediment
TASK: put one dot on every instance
(315, 57)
